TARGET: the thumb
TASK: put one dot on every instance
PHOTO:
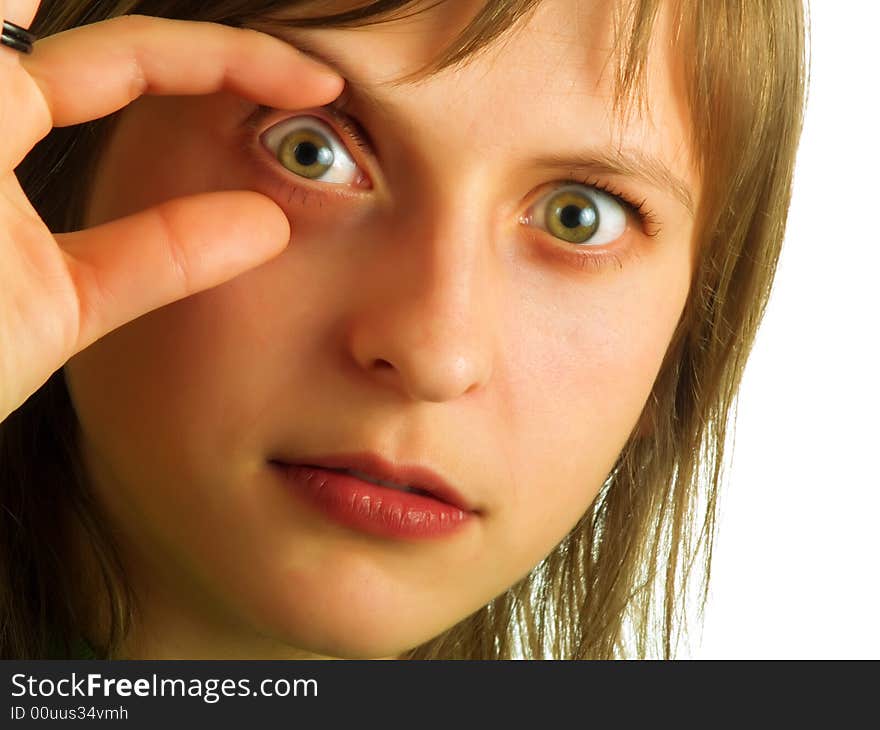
(128, 267)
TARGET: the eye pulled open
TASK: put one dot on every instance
(307, 147)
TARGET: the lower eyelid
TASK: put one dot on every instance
(614, 254)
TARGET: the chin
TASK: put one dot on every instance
(354, 632)
(354, 643)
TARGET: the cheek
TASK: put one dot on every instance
(146, 391)
(576, 383)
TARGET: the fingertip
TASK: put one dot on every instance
(315, 78)
(251, 225)
(320, 82)
(270, 220)
(334, 83)
(321, 71)
(276, 214)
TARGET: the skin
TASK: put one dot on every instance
(420, 318)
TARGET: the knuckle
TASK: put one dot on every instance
(134, 22)
(175, 248)
(134, 25)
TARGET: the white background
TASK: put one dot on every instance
(795, 572)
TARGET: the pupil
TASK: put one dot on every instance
(571, 216)
(306, 153)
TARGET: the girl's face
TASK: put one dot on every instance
(432, 307)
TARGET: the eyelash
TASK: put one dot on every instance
(579, 256)
(354, 133)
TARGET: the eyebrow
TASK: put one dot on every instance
(629, 163)
(626, 163)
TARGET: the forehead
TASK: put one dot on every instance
(546, 86)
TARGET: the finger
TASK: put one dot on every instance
(94, 70)
(133, 265)
(20, 12)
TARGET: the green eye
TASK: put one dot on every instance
(301, 146)
(306, 153)
(582, 214)
(572, 216)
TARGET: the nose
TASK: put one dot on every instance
(424, 323)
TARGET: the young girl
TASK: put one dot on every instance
(378, 329)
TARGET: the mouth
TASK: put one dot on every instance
(378, 506)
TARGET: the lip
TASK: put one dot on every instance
(378, 467)
(372, 508)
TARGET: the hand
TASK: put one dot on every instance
(60, 293)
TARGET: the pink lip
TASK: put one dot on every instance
(372, 508)
(378, 467)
